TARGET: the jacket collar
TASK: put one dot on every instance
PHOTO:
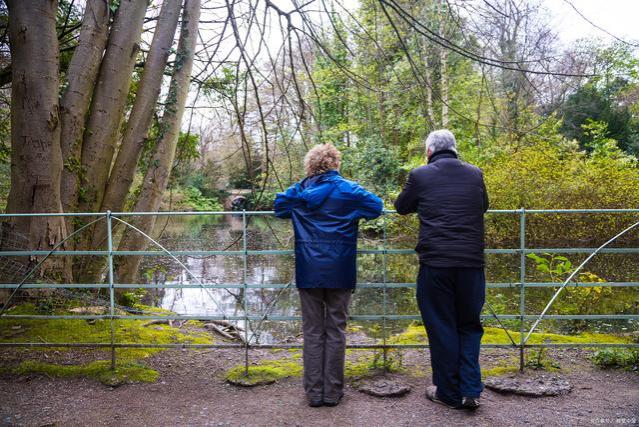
(322, 177)
(443, 154)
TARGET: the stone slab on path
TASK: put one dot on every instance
(535, 386)
(383, 387)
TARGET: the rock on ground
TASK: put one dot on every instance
(535, 386)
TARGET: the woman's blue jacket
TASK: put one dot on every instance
(325, 210)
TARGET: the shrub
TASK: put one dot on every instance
(617, 358)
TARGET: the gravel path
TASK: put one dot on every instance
(191, 392)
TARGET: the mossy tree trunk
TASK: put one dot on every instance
(159, 171)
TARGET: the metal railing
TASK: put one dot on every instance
(108, 217)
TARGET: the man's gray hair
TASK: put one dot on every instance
(439, 140)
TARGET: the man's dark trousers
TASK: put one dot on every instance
(450, 300)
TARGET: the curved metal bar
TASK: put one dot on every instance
(561, 288)
(155, 242)
(490, 308)
(6, 304)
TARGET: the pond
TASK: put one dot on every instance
(267, 233)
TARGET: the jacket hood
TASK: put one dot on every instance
(314, 190)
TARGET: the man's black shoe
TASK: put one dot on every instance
(431, 394)
(471, 403)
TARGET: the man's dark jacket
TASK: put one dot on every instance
(326, 210)
(450, 199)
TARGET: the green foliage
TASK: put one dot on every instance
(133, 298)
(607, 358)
(114, 5)
(553, 265)
(607, 98)
(600, 145)
(225, 85)
(205, 178)
(263, 201)
(539, 359)
(187, 148)
(197, 202)
(578, 299)
(558, 175)
(377, 167)
(240, 178)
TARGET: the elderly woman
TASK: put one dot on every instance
(325, 209)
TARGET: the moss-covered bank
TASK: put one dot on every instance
(95, 331)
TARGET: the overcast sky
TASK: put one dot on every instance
(619, 17)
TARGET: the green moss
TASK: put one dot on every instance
(499, 370)
(415, 334)
(371, 365)
(155, 310)
(97, 331)
(265, 372)
(100, 370)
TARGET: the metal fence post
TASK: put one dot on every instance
(111, 287)
(385, 278)
(522, 285)
(245, 290)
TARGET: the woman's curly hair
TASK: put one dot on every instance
(322, 158)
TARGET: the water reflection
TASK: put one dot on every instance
(226, 233)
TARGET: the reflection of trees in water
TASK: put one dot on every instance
(202, 233)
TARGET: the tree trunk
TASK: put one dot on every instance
(425, 43)
(36, 158)
(159, 171)
(109, 101)
(81, 76)
(136, 131)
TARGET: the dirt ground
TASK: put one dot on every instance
(191, 391)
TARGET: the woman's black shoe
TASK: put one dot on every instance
(315, 403)
(332, 403)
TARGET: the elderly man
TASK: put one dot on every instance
(450, 199)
